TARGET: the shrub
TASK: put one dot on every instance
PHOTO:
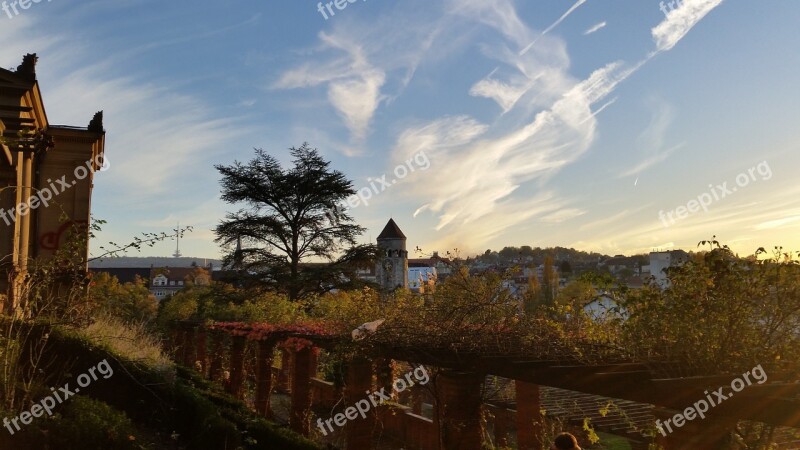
(87, 424)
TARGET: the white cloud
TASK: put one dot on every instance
(487, 174)
(563, 215)
(354, 84)
(680, 21)
(161, 143)
(652, 140)
(595, 28)
(778, 223)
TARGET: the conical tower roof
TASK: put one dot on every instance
(391, 231)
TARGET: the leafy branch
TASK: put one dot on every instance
(145, 240)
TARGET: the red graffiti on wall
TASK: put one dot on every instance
(52, 240)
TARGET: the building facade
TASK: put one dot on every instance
(661, 261)
(46, 177)
(167, 281)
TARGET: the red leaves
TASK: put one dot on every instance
(264, 331)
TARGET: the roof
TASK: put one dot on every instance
(124, 274)
(428, 262)
(391, 231)
(22, 107)
(173, 273)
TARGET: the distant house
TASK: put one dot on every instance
(623, 266)
(661, 261)
(443, 266)
(368, 274)
(617, 264)
(604, 307)
(421, 277)
(166, 281)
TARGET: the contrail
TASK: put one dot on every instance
(555, 24)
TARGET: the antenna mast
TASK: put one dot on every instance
(177, 253)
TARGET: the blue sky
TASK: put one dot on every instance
(575, 123)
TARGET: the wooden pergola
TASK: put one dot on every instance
(463, 369)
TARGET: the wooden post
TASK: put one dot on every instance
(529, 416)
(237, 367)
(358, 383)
(284, 381)
(264, 377)
(459, 410)
(215, 371)
(188, 353)
(299, 419)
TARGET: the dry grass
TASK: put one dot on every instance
(129, 340)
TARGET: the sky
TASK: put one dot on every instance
(616, 127)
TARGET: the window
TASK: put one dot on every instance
(160, 280)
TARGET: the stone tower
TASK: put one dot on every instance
(392, 267)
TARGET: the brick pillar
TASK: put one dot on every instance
(215, 369)
(529, 416)
(202, 351)
(299, 418)
(357, 384)
(459, 410)
(264, 376)
(237, 367)
(187, 353)
(711, 433)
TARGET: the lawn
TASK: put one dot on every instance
(611, 442)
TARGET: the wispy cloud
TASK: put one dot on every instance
(354, 84)
(491, 169)
(651, 161)
(779, 223)
(161, 143)
(595, 28)
(563, 215)
(680, 21)
(652, 140)
(554, 24)
(360, 64)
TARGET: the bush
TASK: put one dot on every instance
(88, 424)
